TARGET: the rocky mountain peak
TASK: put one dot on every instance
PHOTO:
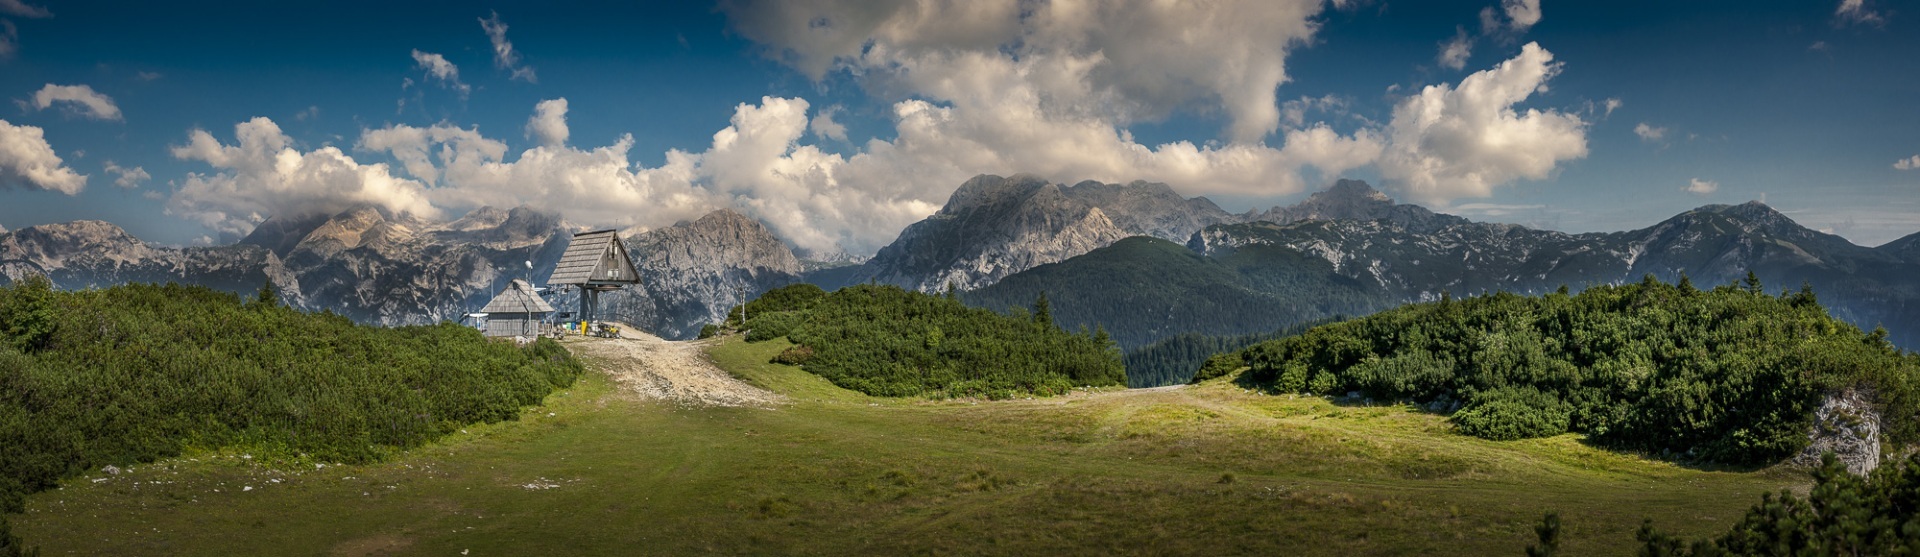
(995, 226)
(1353, 191)
(516, 226)
(987, 189)
(1906, 248)
(280, 234)
(1357, 200)
(80, 233)
(723, 237)
(1758, 218)
(693, 273)
(1754, 212)
(343, 231)
(84, 238)
(484, 217)
(79, 239)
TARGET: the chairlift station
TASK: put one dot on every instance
(594, 262)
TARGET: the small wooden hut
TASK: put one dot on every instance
(517, 311)
(595, 262)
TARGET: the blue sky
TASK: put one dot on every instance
(839, 122)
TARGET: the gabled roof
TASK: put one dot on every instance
(597, 257)
(517, 298)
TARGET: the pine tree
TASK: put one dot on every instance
(1043, 311)
(268, 296)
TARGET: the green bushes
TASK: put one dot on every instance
(1729, 375)
(27, 317)
(136, 373)
(1510, 413)
(1843, 514)
(768, 326)
(885, 341)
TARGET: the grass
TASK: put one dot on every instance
(1204, 470)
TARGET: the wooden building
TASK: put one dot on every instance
(594, 262)
(516, 312)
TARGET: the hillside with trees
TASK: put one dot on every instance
(886, 341)
(136, 373)
(1144, 289)
(1730, 375)
(1175, 360)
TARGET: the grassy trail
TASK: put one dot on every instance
(1203, 470)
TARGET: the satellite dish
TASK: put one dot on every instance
(529, 264)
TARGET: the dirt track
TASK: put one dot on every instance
(676, 371)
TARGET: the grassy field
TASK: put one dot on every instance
(1203, 470)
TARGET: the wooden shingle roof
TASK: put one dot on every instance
(597, 257)
(517, 298)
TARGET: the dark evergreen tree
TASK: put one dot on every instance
(267, 297)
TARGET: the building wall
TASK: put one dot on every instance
(512, 324)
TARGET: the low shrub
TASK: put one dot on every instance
(136, 373)
(885, 341)
(1730, 375)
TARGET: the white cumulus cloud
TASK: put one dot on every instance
(80, 100)
(422, 152)
(824, 126)
(1522, 14)
(1455, 52)
(1698, 186)
(261, 175)
(821, 201)
(1047, 88)
(128, 178)
(548, 125)
(755, 163)
(438, 68)
(1452, 142)
(504, 56)
(1907, 163)
(1649, 133)
(1125, 60)
(28, 161)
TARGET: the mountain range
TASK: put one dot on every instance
(1137, 259)
(695, 272)
(992, 227)
(376, 267)
(1351, 250)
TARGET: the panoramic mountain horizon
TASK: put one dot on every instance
(997, 229)
(967, 277)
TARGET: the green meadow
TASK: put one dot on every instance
(1207, 469)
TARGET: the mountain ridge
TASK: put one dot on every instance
(994, 226)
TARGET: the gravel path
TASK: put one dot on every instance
(676, 371)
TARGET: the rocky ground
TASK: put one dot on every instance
(676, 371)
